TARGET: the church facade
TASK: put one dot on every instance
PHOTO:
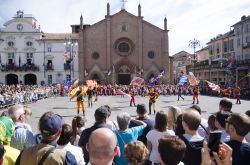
(122, 46)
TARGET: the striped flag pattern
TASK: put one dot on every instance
(213, 86)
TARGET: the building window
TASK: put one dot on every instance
(238, 31)
(67, 77)
(29, 44)
(49, 65)
(49, 49)
(50, 79)
(225, 46)
(247, 39)
(95, 55)
(29, 57)
(10, 43)
(238, 42)
(123, 47)
(11, 58)
(231, 45)
(151, 54)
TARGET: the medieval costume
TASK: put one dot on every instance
(196, 95)
(237, 91)
(132, 95)
(152, 99)
(80, 100)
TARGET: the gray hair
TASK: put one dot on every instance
(123, 120)
(16, 111)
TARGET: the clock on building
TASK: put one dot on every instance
(19, 27)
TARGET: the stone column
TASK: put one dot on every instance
(81, 57)
(140, 44)
(108, 37)
(165, 63)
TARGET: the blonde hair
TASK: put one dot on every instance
(136, 152)
(176, 111)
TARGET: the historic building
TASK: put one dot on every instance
(226, 59)
(122, 46)
(29, 56)
(180, 61)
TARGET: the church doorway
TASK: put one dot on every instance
(11, 79)
(30, 79)
(124, 75)
(96, 78)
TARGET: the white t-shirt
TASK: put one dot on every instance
(153, 136)
(194, 138)
(74, 150)
(112, 125)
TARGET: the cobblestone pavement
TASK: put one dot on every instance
(67, 108)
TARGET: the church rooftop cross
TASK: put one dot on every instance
(123, 4)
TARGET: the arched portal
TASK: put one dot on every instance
(124, 75)
(11, 79)
(30, 79)
(95, 77)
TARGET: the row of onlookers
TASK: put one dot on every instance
(172, 138)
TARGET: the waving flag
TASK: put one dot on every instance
(213, 86)
(154, 79)
(91, 83)
(183, 79)
(120, 92)
(137, 81)
(75, 83)
(68, 84)
(192, 79)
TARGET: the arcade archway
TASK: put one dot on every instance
(11, 79)
(30, 79)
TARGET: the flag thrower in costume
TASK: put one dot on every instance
(152, 99)
(80, 94)
(196, 94)
(137, 81)
(213, 86)
(193, 81)
(154, 79)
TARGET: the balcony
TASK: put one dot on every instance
(15, 68)
(246, 45)
(49, 67)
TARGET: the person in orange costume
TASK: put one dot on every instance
(196, 94)
(80, 94)
(237, 90)
(227, 92)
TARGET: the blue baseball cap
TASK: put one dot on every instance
(51, 124)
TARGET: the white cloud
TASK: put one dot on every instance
(202, 19)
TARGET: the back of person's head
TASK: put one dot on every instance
(6, 129)
(192, 119)
(161, 121)
(196, 107)
(240, 122)
(78, 122)
(136, 152)
(225, 104)
(50, 126)
(66, 135)
(2, 151)
(211, 121)
(176, 111)
(221, 117)
(141, 109)
(171, 149)
(179, 127)
(16, 112)
(108, 108)
(247, 113)
(123, 120)
(101, 114)
(102, 146)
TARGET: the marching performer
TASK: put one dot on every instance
(179, 93)
(90, 93)
(152, 98)
(237, 90)
(227, 92)
(80, 94)
(196, 95)
(132, 95)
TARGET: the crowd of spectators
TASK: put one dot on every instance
(173, 137)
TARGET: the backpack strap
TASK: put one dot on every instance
(46, 155)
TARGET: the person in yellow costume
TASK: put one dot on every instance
(227, 92)
(80, 94)
(196, 95)
(152, 99)
(237, 91)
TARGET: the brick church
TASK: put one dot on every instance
(122, 46)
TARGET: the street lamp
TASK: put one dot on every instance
(193, 44)
(69, 45)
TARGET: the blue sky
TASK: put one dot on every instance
(202, 19)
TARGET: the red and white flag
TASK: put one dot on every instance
(137, 81)
(213, 86)
(120, 92)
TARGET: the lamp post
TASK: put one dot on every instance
(193, 44)
(69, 45)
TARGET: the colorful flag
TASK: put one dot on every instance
(154, 79)
(192, 80)
(213, 86)
(120, 92)
(137, 81)
(183, 79)
(91, 83)
(75, 83)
